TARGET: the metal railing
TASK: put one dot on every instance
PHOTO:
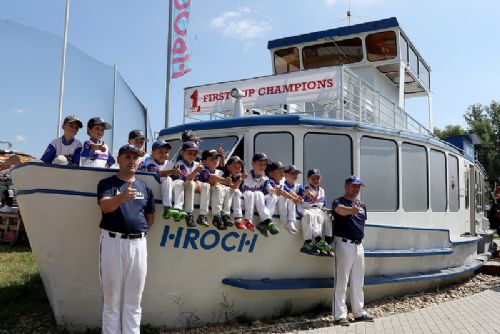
(358, 102)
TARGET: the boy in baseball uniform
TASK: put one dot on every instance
(95, 152)
(158, 163)
(287, 206)
(232, 199)
(185, 185)
(66, 148)
(315, 220)
(213, 187)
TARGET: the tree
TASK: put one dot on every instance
(449, 131)
(485, 122)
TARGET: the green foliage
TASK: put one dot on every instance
(449, 131)
(485, 122)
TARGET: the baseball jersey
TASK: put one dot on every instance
(58, 146)
(320, 202)
(130, 216)
(350, 227)
(205, 174)
(294, 188)
(151, 165)
(96, 158)
(253, 182)
(186, 169)
(270, 183)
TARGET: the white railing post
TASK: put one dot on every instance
(342, 92)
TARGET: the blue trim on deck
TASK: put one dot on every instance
(336, 32)
(464, 242)
(327, 283)
(408, 227)
(93, 169)
(291, 120)
(407, 252)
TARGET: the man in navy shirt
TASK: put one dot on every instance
(127, 206)
(349, 216)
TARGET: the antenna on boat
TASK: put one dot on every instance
(350, 17)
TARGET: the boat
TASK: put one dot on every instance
(335, 101)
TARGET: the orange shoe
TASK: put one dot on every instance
(249, 225)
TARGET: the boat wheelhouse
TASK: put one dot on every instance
(335, 103)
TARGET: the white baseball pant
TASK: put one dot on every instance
(286, 209)
(122, 272)
(204, 198)
(184, 195)
(232, 200)
(315, 222)
(255, 199)
(271, 200)
(166, 191)
(217, 198)
(349, 268)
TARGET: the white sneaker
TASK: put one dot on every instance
(290, 227)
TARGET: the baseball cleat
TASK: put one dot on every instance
(180, 215)
(309, 249)
(364, 317)
(226, 219)
(324, 248)
(249, 225)
(190, 220)
(169, 212)
(202, 220)
(218, 223)
(240, 225)
(262, 228)
(272, 228)
(341, 322)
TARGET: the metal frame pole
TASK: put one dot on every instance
(169, 61)
(63, 67)
(114, 110)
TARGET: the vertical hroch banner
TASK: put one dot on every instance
(179, 52)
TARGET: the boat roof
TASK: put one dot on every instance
(341, 31)
(290, 120)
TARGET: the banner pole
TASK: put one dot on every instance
(63, 66)
(169, 64)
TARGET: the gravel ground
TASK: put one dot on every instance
(381, 308)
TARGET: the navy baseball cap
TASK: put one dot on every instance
(136, 134)
(130, 149)
(209, 154)
(259, 157)
(73, 119)
(275, 165)
(313, 172)
(98, 120)
(292, 169)
(159, 144)
(189, 146)
(354, 180)
(234, 159)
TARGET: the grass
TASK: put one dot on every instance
(24, 307)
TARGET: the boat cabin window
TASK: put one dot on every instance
(332, 155)
(176, 146)
(453, 183)
(413, 60)
(379, 170)
(277, 145)
(466, 178)
(403, 48)
(438, 181)
(286, 60)
(414, 178)
(381, 46)
(333, 53)
(227, 143)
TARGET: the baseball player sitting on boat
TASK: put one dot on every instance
(315, 220)
(95, 152)
(66, 149)
(287, 205)
(232, 199)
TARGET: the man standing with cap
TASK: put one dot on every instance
(127, 206)
(349, 216)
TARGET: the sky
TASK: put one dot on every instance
(227, 40)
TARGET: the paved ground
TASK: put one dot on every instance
(476, 314)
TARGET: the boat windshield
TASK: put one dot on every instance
(206, 143)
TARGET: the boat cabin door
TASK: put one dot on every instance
(472, 199)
